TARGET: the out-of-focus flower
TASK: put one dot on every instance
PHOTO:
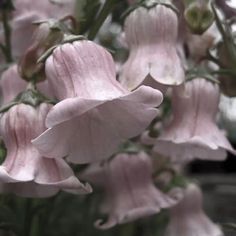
(11, 84)
(187, 218)
(28, 11)
(228, 116)
(129, 191)
(24, 171)
(44, 8)
(193, 132)
(198, 45)
(97, 114)
(228, 7)
(151, 35)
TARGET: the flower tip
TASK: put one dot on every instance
(100, 224)
(85, 189)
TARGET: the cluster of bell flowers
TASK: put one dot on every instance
(96, 113)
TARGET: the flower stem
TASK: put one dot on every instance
(7, 32)
(28, 217)
(107, 8)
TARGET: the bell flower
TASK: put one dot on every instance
(129, 191)
(11, 84)
(193, 132)
(187, 218)
(96, 113)
(24, 171)
(151, 35)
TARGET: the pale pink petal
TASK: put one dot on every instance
(97, 133)
(11, 84)
(24, 164)
(151, 35)
(22, 31)
(72, 107)
(83, 69)
(97, 113)
(193, 132)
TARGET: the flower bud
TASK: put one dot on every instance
(199, 16)
(47, 35)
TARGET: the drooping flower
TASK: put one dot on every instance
(11, 84)
(187, 218)
(151, 35)
(97, 113)
(193, 132)
(24, 171)
(129, 191)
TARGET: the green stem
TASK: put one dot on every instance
(28, 218)
(7, 31)
(107, 8)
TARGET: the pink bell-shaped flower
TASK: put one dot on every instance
(97, 114)
(187, 218)
(129, 191)
(151, 35)
(24, 171)
(193, 132)
(11, 84)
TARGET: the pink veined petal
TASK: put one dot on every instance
(69, 109)
(151, 35)
(85, 135)
(96, 113)
(24, 171)
(193, 132)
(72, 107)
(96, 134)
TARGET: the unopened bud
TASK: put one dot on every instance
(199, 16)
(48, 34)
(29, 69)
